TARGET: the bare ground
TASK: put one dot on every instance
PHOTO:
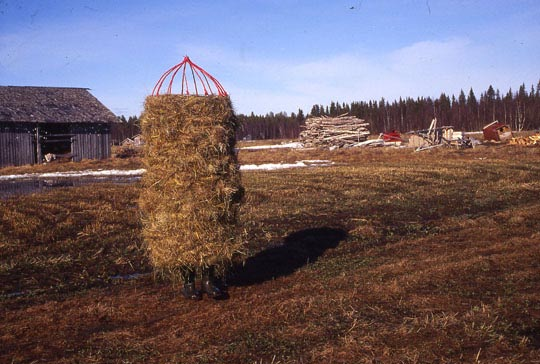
(388, 256)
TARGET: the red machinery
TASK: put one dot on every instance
(392, 137)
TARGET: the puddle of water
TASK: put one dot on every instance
(129, 276)
(119, 277)
(26, 186)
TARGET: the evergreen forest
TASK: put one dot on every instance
(467, 112)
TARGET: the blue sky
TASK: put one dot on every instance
(273, 55)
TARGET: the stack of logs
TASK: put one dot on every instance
(337, 132)
(526, 140)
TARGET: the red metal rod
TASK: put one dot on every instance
(158, 85)
(202, 83)
(197, 74)
(176, 68)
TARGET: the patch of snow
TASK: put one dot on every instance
(276, 166)
(73, 174)
(139, 172)
(378, 143)
(370, 142)
(292, 145)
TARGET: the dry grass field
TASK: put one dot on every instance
(387, 256)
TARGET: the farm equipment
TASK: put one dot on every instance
(392, 137)
(435, 137)
(388, 139)
(497, 132)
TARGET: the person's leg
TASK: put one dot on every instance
(189, 290)
(210, 284)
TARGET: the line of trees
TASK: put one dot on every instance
(125, 128)
(270, 126)
(467, 112)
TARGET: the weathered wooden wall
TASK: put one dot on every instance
(91, 141)
(17, 144)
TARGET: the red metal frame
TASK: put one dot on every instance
(201, 80)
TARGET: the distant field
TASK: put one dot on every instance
(387, 256)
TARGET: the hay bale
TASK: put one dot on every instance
(192, 188)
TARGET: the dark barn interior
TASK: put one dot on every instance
(56, 139)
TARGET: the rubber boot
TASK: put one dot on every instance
(189, 290)
(210, 285)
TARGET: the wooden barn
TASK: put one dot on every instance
(36, 122)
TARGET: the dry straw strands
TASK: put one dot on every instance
(340, 131)
(191, 190)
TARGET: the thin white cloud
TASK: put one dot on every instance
(421, 69)
(424, 68)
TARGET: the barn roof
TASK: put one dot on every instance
(51, 105)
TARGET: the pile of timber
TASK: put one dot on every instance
(337, 132)
(526, 140)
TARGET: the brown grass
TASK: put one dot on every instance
(389, 256)
(63, 165)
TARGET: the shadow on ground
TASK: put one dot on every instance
(298, 249)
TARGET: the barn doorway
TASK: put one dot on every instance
(56, 139)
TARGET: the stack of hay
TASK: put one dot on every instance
(340, 131)
(191, 190)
